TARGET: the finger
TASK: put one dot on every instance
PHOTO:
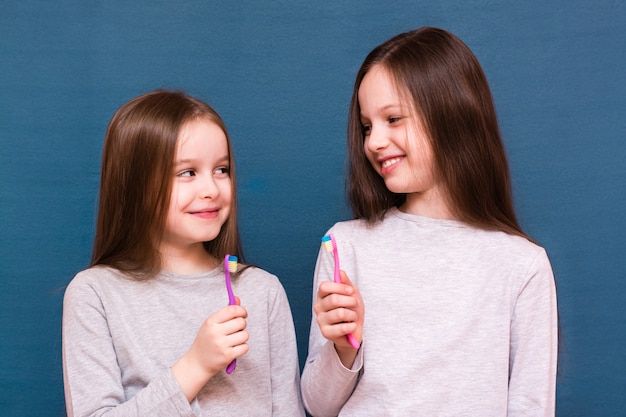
(238, 338)
(237, 344)
(330, 287)
(226, 314)
(339, 315)
(337, 330)
(233, 326)
(355, 290)
(234, 311)
(239, 350)
(335, 301)
(329, 313)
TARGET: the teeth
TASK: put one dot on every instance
(390, 162)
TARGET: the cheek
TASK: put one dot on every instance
(226, 192)
(226, 204)
(172, 210)
(369, 156)
(421, 152)
(428, 161)
(177, 199)
(170, 222)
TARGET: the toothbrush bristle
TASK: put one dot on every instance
(328, 243)
(232, 263)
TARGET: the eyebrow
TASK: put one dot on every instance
(387, 107)
(186, 161)
(392, 106)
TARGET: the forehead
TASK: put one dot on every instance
(379, 89)
(201, 135)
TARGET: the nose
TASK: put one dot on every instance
(377, 139)
(208, 187)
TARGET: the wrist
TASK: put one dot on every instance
(191, 377)
(346, 354)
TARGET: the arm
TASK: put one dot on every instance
(285, 368)
(220, 339)
(339, 312)
(99, 348)
(534, 344)
(92, 376)
(326, 382)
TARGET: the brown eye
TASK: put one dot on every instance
(222, 171)
(187, 173)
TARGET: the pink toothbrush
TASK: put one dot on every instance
(230, 265)
(331, 246)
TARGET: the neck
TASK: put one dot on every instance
(189, 260)
(431, 204)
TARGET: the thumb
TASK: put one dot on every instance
(344, 278)
(350, 288)
(238, 300)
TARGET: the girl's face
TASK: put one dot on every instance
(397, 146)
(201, 192)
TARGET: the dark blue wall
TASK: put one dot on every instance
(281, 74)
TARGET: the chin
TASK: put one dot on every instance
(397, 188)
(211, 237)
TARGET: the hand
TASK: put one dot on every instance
(221, 338)
(339, 310)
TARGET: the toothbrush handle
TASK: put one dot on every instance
(353, 341)
(229, 288)
(231, 301)
(337, 278)
(231, 366)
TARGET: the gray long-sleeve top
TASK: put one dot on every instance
(120, 338)
(458, 322)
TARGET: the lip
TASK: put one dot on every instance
(209, 213)
(389, 163)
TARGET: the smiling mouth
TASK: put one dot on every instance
(206, 214)
(389, 162)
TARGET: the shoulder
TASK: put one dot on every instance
(260, 280)
(255, 273)
(94, 282)
(86, 279)
(261, 289)
(523, 258)
(515, 246)
(97, 276)
(353, 228)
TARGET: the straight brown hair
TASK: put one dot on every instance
(451, 96)
(136, 182)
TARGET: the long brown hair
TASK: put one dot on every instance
(450, 94)
(136, 182)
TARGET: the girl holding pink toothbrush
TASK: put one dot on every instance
(453, 307)
(155, 326)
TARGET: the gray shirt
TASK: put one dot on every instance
(120, 338)
(458, 322)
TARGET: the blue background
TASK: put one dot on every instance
(280, 73)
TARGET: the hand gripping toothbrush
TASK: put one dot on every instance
(230, 265)
(331, 246)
